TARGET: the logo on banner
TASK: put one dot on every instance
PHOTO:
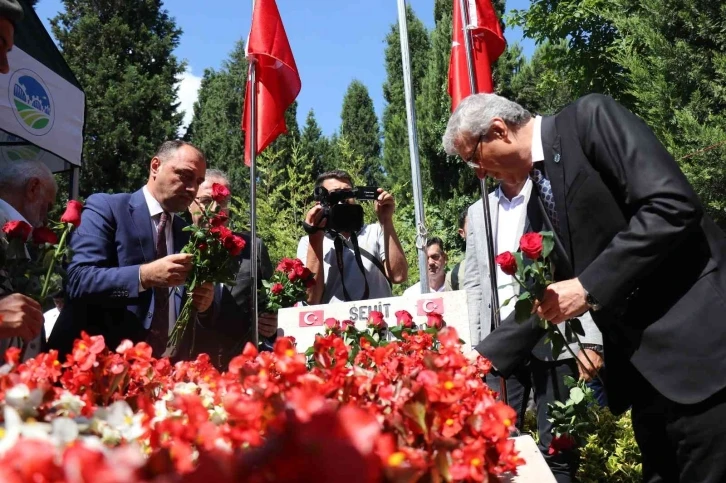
(311, 318)
(31, 101)
(430, 306)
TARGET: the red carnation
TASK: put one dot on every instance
(435, 321)
(375, 320)
(72, 214)
(531, 245)
(507, 263)
(277, 288)
(234, 244)
(285, 265)
(43, 234)
(17, 229)
(404, 318)
(219, 192)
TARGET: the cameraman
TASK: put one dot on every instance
(381, 253)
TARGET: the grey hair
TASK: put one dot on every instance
(474, 115)
(218, 174)
(168, 148)
(14, 175)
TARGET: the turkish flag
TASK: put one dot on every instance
(487, 45)
(278, 81)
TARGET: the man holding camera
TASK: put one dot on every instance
(351, 261)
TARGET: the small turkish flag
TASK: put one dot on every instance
(311, 318)
(487, 45)
(278, 81)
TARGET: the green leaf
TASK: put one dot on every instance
(548, 243)
(568, 333)
(577, 395)
(576, 326)
(524, 295)
(558, 344)
(523, 310)
(417, 412)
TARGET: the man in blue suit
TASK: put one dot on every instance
(125, 279)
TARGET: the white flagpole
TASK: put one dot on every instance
(254, 261)
(497, 321)
(413, 147)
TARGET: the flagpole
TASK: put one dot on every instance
(413, 147)
(254, 260)
(496, 317)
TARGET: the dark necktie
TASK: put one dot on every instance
(159, 333)
(544, 189)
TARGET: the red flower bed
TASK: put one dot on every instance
(404, 411)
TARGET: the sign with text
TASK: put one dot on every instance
(305, 322)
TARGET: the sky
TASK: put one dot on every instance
(333, 41)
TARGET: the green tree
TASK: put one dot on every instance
(674, 53)
(359, 125)
(396, 154)
(121, 53)
(215, 125)
(314, 145)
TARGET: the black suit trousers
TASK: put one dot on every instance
(680, 443)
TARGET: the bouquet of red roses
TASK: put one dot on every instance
(33, 259)
(288, 285)
(532, 268)
(214, 247)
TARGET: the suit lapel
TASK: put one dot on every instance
(141, 219)
(554, 167)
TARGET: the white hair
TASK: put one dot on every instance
(217, 174)
(474, 116)
(14, 175)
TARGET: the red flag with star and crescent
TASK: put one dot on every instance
(487, 45)
(278, 80)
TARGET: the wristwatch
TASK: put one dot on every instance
(592, 302)
(593, 347)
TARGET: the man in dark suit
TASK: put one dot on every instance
(224, 334)
(125, 280)
(636, 250)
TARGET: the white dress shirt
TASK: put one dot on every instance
(415, 289)
(155, 210)
(509, 219)
(49, 319)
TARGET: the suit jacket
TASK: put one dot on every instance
(477, 266)
(102, 294)
(640, 243)
(35, 346)
(224, 334)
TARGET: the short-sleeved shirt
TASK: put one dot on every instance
(370, 238)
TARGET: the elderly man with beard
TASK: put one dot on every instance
(27, 191)
(436, 263)
(225, 334)
(126, 278)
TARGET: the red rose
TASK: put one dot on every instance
(347, 325)
(285, 265)
(43, 234)
(375, 320)
(404, 318)
(221, 232)
(332, 324)
(310, 282)
(435, 321)
(17, 229)
(277, 288)
(219, 219)
(562, 442)
(291, 276)
(219, 192)
(202, 247)
(507, 263)
(234, 244)
(72, 214)
(300, 270)
(531, 245)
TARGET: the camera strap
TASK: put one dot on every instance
(338, 243)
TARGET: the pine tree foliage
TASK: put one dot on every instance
(359, 126)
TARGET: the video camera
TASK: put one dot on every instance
(342, 216)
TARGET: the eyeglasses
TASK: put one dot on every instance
(470, 162)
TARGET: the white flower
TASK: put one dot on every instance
(64, 431)
(23, 399)
(185, 388)
(218, 415)
(118, 422)
(68, 404)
